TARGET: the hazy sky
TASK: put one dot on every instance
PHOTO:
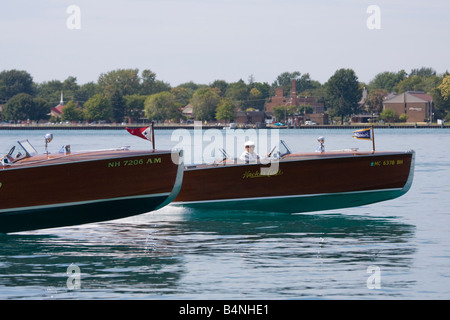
(205, 40)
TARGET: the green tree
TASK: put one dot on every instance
(444, 87)
(424, 79)
(150, 85)
(305, 84)
(284, 80)
(423, 72)
(71, 113)
(280, 112)
(375, 100)
(388, 115)
(263, 95)
(387, 80)
(238, 92)
(18, 107)
(441, 99)
(430, 83)
(162, 106)
(13, 82)
(204, 103)
(301, 109)
(51, 90)
(97, 108)
(412, 83)
(134, 106)
(222, 85)
(255, 98)
(403, 117)
(126, 81)
(344, 93)
(148, 81)
(118, 106)
(24, 107)
(70, 87)
(85, 92)
(41, 109)
(263, 87)
(225, 110)
(182, 95)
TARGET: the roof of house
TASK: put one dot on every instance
(422, 95)
(58, 109)
(409, 97)
(187, 109)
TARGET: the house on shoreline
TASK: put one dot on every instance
(417, 105)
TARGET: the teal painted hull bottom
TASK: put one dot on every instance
(305, 184)
(79, 213)
(302, 203)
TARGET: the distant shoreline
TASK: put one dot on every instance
(190, 126)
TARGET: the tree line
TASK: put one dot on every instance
(124, 95)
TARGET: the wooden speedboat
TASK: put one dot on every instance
(300, 182)
(48, 190)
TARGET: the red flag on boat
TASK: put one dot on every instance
(144, 133)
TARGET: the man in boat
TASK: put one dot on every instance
(321, 148)
(249, 155)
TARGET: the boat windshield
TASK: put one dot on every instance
(278, 152)
(20, 150)
(283, 149)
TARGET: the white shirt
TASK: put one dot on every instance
(249, 156)
(321, 148)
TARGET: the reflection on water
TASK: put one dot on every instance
(186, 253)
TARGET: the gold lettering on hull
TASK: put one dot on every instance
(257, 174)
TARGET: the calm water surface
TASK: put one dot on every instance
(399, 249)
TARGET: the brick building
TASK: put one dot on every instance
(251, 117)
(318, 115)
(417, 105)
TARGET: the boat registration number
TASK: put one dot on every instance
(386, 163)
(133, 162)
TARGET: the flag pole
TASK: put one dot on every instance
(373, 141)
(153, 135)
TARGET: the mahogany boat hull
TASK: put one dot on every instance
(300, 183)
(86, 187)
